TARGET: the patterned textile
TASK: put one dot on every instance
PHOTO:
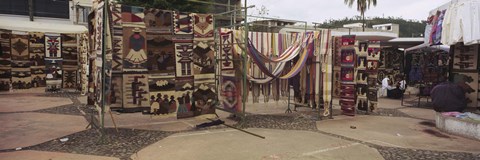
(84, 73)
(19, 46)
(37, 59)
(163, 95)
(184, 87)
(134, 49)
(205, 96)
(117, 52)
(373, 57)
(465, 70)
(53, 45)
(54, 73)
(226, 52)
(203, 26)
(465, 58)
(5, 60)
(21, 75)
(132, 15)
(182, 23)
(231, 93)
(70, 60)
(116, 97)
(135, 92)
(161, 55)
(347, 76)
(69, 77)
(159, 21)
(184, 54)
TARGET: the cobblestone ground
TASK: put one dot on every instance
(126, 142)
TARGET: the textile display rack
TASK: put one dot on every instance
(34, 58)
(303, 46)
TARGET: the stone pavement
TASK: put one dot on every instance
(23, 127)
(233, 144)
(407, 134)
(398, 132)
(42, 155)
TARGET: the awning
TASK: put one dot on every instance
(21, 23)
(427, 46)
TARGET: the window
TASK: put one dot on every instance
(83, 14)
(41, 8)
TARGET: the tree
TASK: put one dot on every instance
(362, 6)
(177, 5)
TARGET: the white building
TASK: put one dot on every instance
(57, 16)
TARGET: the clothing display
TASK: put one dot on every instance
(461, 23)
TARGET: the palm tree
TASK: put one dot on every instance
(362, 6)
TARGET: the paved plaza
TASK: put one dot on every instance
(46, 126)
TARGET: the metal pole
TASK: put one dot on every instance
(331, 90)
(245, 60)
(104, 28)
(30, 9)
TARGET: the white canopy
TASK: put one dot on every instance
(424, 45)
(22, 23)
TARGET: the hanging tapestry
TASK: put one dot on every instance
(163, 96)
(5, 76)
(203, 26)
(226, 52)
(83, 51)
(361, 76)
(203, 42)
(372, 70)
(337, 42)
(69, 78)
(135, 92)
(204, 96)
(347, 75)
(19, 46)
(132, 15)
(182, 23)
(5, 60)
(116, 97)
(159, 21)
(161, 55)
(53, 45)
(5, 50)
(203, 57)
(37, 59)
(184, 87)
(117, 39)
(54, 73)
(465, 57)
(372, 66)
(134, 49)
(361, 49)
(184, 62)
(336, 82)
(69, 50)
(348, 57)
(70, 60)
(21, 75)
(231, 94)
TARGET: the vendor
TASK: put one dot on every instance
(449, 97)
(397, 91)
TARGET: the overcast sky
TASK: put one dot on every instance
(321, 10)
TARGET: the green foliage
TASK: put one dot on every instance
(407, 27)
(177, 5)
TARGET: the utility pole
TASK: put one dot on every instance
(30, 9)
